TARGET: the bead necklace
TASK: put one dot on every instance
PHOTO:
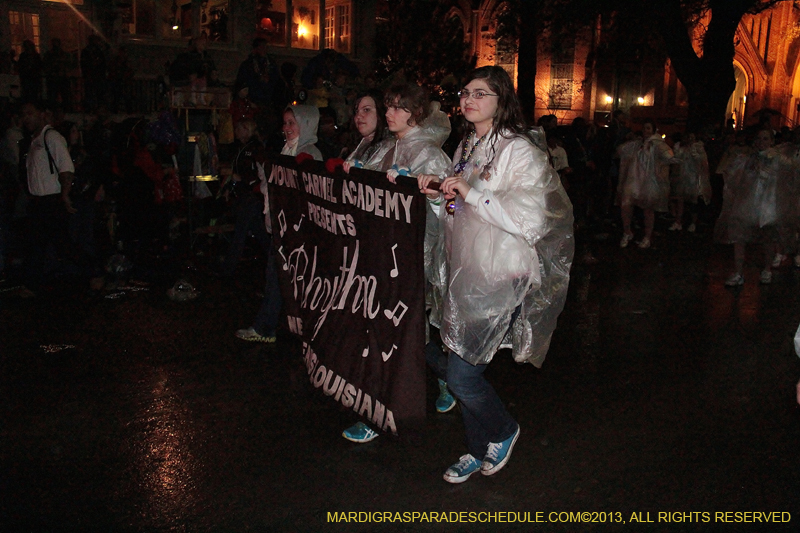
(450, 206)
(465, 157)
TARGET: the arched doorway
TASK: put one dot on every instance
(738, 100)
(793, 112)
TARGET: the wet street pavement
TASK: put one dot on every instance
(663, 392)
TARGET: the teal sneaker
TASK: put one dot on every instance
(359, 432)
(445, 402)
(498, 453)
(460, 472)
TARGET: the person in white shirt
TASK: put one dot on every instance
(50, 173)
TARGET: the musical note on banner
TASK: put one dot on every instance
(285, 262)
(386, 356)
(297, 226)
(392, 315)
(394, 271)
(282, 222)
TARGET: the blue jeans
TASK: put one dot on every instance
(249, 219)
(266, 321)
(485, 417)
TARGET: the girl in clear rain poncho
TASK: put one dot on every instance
(643, 181)
(792, 151)
(503, 261)
(419, 128)
(693, 181)
(369, 119)
(757, 205)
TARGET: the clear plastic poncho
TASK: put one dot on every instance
(420, 151)
(792, 153)
(644, 173)
(487, 272)
(693, 181)
(730, 155)
(371, 156)
(758, 200)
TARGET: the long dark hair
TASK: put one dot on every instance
(509, 118)
(509, 121)
(380, 109)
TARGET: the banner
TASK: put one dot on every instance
(350, 262)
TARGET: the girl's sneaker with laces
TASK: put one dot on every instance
(498, 453)
(460, 472)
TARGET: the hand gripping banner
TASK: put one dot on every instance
(350, 262)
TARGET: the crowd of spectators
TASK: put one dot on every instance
(128, 178)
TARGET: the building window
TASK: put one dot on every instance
(337, 25)
(215, 20)
(305, 24)
(176, 19)
(144, 19)
(302, 19)
(561, 75)
(272, 22)
(23, 26)
(506, 57)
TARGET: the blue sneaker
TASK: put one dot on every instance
(498, 453)
(359, 432)
(445, 402)
(460, 472)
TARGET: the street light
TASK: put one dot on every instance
(640, 100)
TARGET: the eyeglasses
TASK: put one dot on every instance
(477, 95)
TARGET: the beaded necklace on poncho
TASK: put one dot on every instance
(466, 156)
(450, 206)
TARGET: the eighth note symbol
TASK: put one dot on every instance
(394, 271)
(392, 315)
(297, 226)
(282, 222)
(285, 262)
(386, 356)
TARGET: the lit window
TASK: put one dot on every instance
(215, 20)
(337, 25)
(177, 17)
(271, 22)
(173, 19)
(329, 26)
(305, 24)
(561, 75)
(23, 26)
(506, 56)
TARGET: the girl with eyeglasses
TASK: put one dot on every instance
(503, 258)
